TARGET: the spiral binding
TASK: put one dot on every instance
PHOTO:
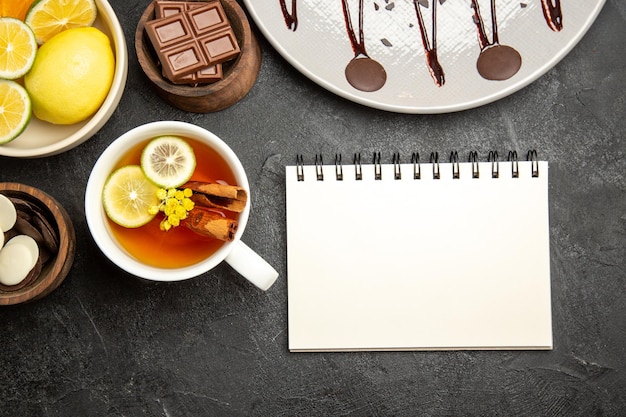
(456, 168)
(415, 160)
(532, 157)
(358, 169)
(514, 166)
(473, 158)
(397, 174)
(300, 167)
(378, 168)
(495, 165)
(338, 167)
(434, 159)
(319, 172)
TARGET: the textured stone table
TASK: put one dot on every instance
(107, 344)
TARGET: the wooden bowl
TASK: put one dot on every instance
(240, 74)
(56, 268)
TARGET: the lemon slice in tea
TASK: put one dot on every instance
(128, 195)
(17, 48)
(49, 17)
(168, 161)
(15, 110)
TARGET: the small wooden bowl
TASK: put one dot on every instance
(239, 74)
(57, 268)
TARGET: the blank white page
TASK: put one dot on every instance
(418, 264)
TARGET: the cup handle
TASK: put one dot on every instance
(251, 266)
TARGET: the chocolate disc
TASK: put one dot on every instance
(365, 74)
(498, 62)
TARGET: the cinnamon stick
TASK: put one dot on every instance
(211, 223)
(222, 196)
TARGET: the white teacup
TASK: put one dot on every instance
(236, 253)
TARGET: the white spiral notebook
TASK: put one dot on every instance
(418, 255)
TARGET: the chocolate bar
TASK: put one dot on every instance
(197, 38)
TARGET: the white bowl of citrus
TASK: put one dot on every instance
(64, 76)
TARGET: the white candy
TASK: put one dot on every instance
(20, 254)
(29, 243)
(15, 263)
(8, 214)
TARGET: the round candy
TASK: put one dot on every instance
(8, 214)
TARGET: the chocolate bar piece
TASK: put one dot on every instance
(209, 74)
(207, 18)
(197, 38)
(205, 75)
(166, 8)
(219, 47)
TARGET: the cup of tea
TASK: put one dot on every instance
(157, 250)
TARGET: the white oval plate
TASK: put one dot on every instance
(320, 48)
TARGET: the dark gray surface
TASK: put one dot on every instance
(107, 344)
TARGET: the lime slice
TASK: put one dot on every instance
(49, 17)
(15, 110)
(168, 161)
(128, 195)
(17, 48)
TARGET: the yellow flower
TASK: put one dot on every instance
(180, 212)
(165, 225)
(175, 204)
(188, 204)
(161, 194)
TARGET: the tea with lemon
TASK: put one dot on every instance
(178, 247)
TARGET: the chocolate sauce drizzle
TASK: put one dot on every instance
(362, 72)
(552, 13)
(496, 61)
(291, 19)
(436, 71)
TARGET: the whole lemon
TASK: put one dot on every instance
(71, 75)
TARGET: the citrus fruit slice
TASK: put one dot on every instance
(49, 17)
(15, 110)
(168, 161)
(128, 195)
(13, 8)
(17, 48)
